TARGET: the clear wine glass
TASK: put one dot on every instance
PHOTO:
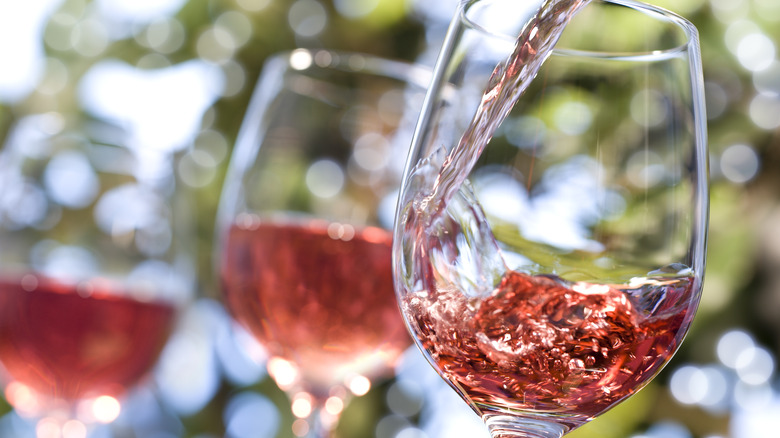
(550, 240)
(94, 267)
(304, 240)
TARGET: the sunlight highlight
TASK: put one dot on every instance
(106, 409)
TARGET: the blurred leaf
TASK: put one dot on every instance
(387, 13)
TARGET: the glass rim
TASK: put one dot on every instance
(688, 28)
(302, 59)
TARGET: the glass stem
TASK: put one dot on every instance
(507, 426)
(320, 423)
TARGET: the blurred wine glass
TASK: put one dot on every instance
(94, 266)
(303, 226)
(550, 243)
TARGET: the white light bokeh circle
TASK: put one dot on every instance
(739, 163)
(755, 366)
(649, 108)
(755, 51)
(355, 8)
(768, 10)
(729, 10)
(251, 415)
(689, 385)
(736, 31)
(106, 409)
(666, 429)
(758, 420)
(764, 111)
(70, 179)
(216, 44)
(238, 24)
(325, 178)
(90, 37)
(768, 80)
(573, 118)
(56, 77)
(307, 18)
(253, 5)
(731, 344)
(300, 59)
(21, 46)
(138, 11)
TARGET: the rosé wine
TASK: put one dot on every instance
(69, 341)
(317, 294)
(541, 345)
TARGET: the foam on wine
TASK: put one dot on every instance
(318, 295)
(70, 341)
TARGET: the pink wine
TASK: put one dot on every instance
(319, 295)
(69, 341)
(544, 346)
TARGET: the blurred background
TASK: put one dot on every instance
(177, 75)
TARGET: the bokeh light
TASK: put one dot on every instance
(729, 10)
(739, 163)
(756, 51)
(359, 385)
(763, 111)
(325, 178)
(253, 5)
(649, 108)
(302, 405)
(250, 415)
(74, 429)
(105, 409)
(334, 406)
(21, 46)
(355, 8)
(188, 373)
(48, 428)
(307, 18)
(283, 372)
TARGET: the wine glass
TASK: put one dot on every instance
(94, 266)
(304, 240)
(550, 241)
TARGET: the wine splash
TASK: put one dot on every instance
(450, 203)
(544, 346)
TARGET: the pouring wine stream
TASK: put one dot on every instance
(507, 84)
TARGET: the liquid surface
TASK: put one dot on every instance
(69, 342)
(318, 295)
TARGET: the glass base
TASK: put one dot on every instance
(507, 426)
